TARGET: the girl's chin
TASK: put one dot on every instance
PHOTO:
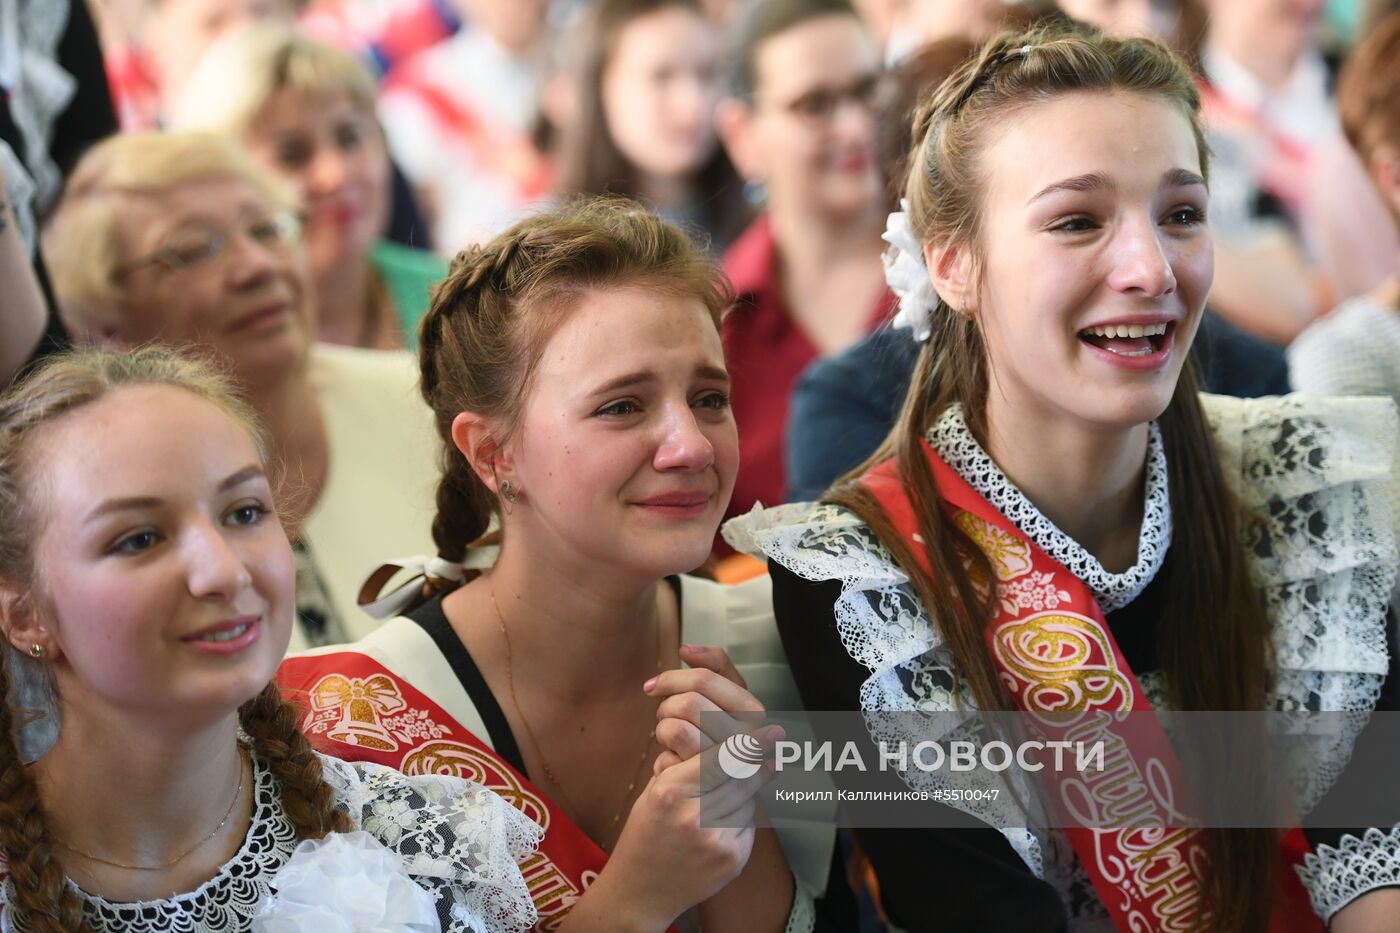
(1132, 408)
(670, 561)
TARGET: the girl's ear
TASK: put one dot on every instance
(734, 126)
(952, 271)
(1384, 166)
(22, 627)
(475, 436)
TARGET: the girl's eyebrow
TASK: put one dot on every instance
(129, 503)
(1092, 181)
(251, 472)
(132, 503)
(1098, 181)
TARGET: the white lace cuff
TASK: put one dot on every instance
(1336, 876)
(456, 838)
(802, 918)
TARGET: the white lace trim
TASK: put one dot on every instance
(224, 902)
(1317, 478)
(952, 440)
(454, 836)
(802, 917)
(458, 840)
(1337, 875)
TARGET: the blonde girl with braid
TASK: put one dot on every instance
(561, 653)
(151, 777)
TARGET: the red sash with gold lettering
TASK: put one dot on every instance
(1062, 658)
(358, 710)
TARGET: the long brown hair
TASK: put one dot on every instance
(590, 163)
(1208, 666)
(491, 317)
(43, 902)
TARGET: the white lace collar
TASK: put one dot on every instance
(953, 441)
(228, 900)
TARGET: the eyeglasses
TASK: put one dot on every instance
(871, 92)
(193, 247)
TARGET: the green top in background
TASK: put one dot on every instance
(409, 275)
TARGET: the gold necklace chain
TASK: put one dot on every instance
(237, 793)
(539, 749)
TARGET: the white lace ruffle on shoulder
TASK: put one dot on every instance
(455, 837)
(457, 840)
(1317, 479)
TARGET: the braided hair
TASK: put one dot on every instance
(491, 317)
(41, 899)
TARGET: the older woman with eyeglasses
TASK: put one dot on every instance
(180, 239)
(801, 127)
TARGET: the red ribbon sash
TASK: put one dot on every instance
(1063, 659)
(358, 710)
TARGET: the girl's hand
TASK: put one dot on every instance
(712, 685)
(669, 860)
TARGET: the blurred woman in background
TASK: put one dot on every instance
(305, 110)
(646, 81)
(801, 124)
(178, 238)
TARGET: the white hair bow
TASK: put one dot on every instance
(907, 275)
(420, 569)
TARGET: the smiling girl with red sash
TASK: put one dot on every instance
(1060, 521)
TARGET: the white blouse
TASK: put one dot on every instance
(456, 840)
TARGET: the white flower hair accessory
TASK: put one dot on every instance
(907, 275)
(346, 883)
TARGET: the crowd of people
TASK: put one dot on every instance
(457, 403)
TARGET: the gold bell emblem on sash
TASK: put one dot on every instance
(361, 703)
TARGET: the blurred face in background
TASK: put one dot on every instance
(215, 265)
(1276, 30)
(659, 91)
(515, 24)
(977, 20)
(331, 151)
(809, 132)
(1154, 19)
(176, 33)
